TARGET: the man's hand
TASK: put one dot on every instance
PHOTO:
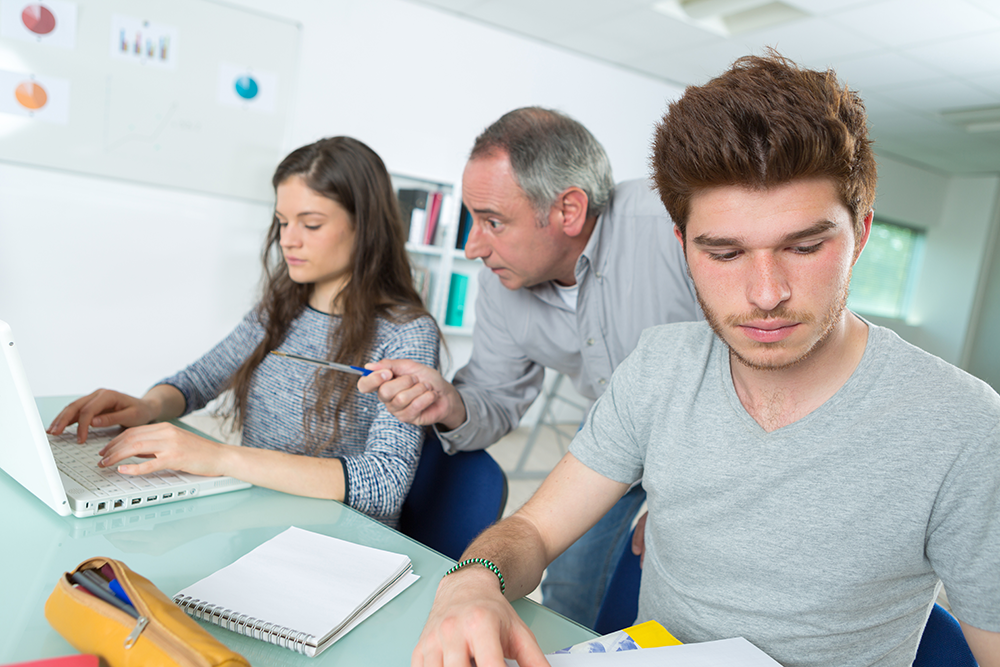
(472, 623)
(414, 393)
(471, 619)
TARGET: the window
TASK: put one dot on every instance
(884, 275)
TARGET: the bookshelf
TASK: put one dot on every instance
(447, 281)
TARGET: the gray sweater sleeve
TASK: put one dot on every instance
(379, 453)
(380, 464)
(205, 379)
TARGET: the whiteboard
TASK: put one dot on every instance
(190, 94)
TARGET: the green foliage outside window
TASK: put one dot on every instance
(882, 276)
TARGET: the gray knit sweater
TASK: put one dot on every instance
(379, 452)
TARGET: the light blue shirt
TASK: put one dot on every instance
(631, 275)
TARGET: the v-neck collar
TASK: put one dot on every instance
(859, 378)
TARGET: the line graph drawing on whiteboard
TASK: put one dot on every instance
(147, 137)
(143, 117)
(131, 133)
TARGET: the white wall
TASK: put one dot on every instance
(983, 351)
(955, 258)
(958, 214)
(109, 283)
(115, 284)
(419, 84)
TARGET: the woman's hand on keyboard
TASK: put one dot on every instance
(104, 407)
(164, 446)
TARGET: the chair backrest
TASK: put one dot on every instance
(453, 498)
(943, 642)
(620, 605)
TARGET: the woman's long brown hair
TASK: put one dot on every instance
(353, 175)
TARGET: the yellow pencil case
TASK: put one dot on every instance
(162, 634)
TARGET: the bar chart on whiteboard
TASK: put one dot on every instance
(190, 94)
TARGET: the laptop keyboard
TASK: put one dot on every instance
(79, 462)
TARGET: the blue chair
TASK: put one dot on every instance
(453, 498)
(620, 605)
(943, 642)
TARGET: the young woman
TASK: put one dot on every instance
(337, 286)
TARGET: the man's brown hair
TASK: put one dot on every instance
(764, 123)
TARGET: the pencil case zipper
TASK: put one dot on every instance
(146, 626)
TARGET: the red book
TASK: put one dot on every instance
(433, 213)
(65, 661)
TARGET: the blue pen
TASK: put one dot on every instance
(117, 589)
(344, 368)
(94, 583)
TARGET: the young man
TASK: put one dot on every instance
(575, 269)
(811, 478)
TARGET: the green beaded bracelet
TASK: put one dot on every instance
(485, 563)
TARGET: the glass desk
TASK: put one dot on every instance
(176, 544)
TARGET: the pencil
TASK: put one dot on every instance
(344, 368)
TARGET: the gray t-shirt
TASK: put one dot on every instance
(821, 542)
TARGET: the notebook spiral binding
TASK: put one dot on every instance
(245, 625)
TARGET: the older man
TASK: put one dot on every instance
(575, 269)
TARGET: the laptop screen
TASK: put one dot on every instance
(24, 448)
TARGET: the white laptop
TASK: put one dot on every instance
(63, 474)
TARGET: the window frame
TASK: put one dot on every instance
(913, 269)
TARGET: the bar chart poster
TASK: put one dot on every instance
(45, 99)
(247, 88)
(144, 42)
(52, 22)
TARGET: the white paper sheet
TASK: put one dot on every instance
(737, 652)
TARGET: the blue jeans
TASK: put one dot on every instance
(575, 582)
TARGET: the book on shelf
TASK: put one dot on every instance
(428, 215)
(300, 590)
(433, 215)
(455, 313)
(464, 225)
(413, 209)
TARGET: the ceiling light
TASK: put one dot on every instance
(974, 119)
(729, 17)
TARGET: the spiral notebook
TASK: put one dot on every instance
(300, 590)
